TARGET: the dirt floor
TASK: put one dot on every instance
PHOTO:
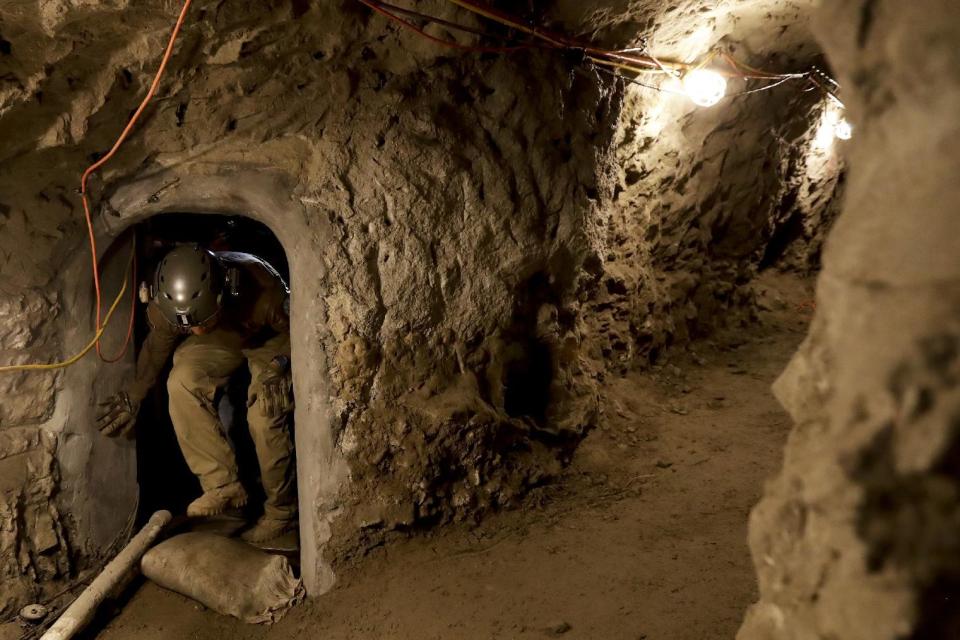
(644, 536)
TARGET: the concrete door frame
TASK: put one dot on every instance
(266, 196)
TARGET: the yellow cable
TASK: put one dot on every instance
(86, 349)
(707, 60)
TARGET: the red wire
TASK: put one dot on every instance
(403, 11)
(447, 43)
(554, 38)
(559, 40)
(99, 163)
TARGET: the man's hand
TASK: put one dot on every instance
(274, 390)
(117, 415)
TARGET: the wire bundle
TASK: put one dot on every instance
(103, 321)
(638, 61)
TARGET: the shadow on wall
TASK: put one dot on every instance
(528, 365)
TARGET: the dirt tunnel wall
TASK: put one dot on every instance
(416, 195)
(447, 217)
(857, 536)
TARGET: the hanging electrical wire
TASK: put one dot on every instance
(103, 321)
(102, 161)
(703, 81)
(382, 10)
(90, 345)
(636, 82)
(765, 87)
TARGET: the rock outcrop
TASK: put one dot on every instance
(857, 537)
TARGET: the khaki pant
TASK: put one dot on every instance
(201, 365)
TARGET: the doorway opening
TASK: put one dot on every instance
(164, 476)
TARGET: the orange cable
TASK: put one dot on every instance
(99, 163)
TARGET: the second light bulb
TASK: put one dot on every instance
(704, 87)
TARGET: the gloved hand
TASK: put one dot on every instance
(274, 389)
(117, 415)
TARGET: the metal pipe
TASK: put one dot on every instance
(79, 614)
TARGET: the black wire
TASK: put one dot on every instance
(813, 80)
(765, 87)
(631, 80)
(638, 83)
(679, 93)
(454, 25)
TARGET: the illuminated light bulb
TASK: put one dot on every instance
(832, 126)
(823, 140)
(843, 129)
(704, 87)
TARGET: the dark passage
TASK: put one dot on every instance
(164, 478)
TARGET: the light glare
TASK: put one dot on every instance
(705, 88)
(832, 126)
(843, 129)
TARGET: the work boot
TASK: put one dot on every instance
(268, 529)
(216, 501)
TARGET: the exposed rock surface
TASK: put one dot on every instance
(688, 229)
(448, 199)
(27, 331)
(857, 537)
(489, 228)
(33, 544)
(697, 199)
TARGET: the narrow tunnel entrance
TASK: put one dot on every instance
(164, 476)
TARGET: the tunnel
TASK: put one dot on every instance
(163, 477)
(596, 319)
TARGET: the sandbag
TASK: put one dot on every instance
(225, 575)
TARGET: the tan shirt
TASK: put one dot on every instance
(258, 313)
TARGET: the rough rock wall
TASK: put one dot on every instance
(452, 311)
(446, 193)
(857, 537)
(27, 318)
(33, 546)
(697, 199)
(689, 227)
(812, 171)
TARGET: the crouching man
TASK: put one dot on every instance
(215, 313)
